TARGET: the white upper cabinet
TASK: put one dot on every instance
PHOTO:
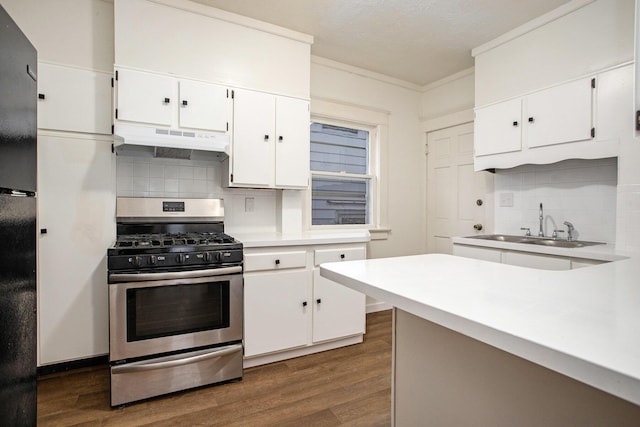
(145, 97)
(497, 128)
(160, 100)
(73, 99)
(584, 118)
(292, 142)
(270, 147)
(559, 114)
(203, 106)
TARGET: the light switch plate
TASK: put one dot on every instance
(506, 200)
(249, 204)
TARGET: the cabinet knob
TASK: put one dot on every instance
(515, 124)
(531, 120)
(341, 256)
(41, 96)
(266, 137)
(277, 262)
(184, 102)
(166, 100)
(280, 138)
(304, 303)
(43, 231)
(319, 300)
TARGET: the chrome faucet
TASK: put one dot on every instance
(570, 229)
(540, 232)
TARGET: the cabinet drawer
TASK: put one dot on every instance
(333, 255)
(275, 260)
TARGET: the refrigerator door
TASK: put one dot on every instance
(18, 108)
(17, 310)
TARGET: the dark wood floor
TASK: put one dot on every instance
(350, 386)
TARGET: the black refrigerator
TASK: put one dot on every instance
(18, 124)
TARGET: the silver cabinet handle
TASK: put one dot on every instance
(175, 360)
(143, 277)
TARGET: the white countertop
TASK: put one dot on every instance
(260, 240)
(583, 323)
(604, 252)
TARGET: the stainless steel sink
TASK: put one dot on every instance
(543, 241)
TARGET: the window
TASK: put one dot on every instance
(341, 181)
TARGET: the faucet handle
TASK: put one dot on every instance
(554, 236)
(528, 233)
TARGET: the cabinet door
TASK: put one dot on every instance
(541, 262)
(559, 114)
(337, 310)
(70, 99)
(145, 97)
(76, 205)
(253, 153)
(275, 314)
(497, 128)
(292, 146)
(203, 106)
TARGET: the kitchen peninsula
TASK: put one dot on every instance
(481, 343)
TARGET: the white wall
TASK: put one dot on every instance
(448, 96)
(406, 163)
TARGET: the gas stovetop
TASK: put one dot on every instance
(142, 241)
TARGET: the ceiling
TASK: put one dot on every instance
(418, 41)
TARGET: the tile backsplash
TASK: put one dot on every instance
(148, 176)
(582, 192)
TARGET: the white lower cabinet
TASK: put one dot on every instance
(290, 310)
(542, 262)
(523, 258)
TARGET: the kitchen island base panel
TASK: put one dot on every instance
(442, 377)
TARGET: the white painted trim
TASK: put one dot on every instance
(339, 110)
(202, 9)
(448, 79)
(364, 73)
(75, 135)
(534, 24)
(447, 121)
(378, 306)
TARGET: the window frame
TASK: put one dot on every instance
(376, 123)
(372, 178)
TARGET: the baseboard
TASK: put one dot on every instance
(378, 306)
(74, 364)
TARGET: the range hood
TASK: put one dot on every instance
(170, 142)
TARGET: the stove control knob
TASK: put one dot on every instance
(135, 260)
(153, 260)
(180, 258)
(206, 256)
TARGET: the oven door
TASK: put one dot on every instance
(155, 313)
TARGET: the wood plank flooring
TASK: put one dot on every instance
(350, 386)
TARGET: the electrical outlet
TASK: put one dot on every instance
(249, 204)
(506, 200)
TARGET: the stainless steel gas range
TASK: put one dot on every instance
(175, 298)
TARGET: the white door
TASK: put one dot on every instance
(456, 195)
(253, 152)
(277, 311)
(337, 310)
(203, 106)
(498, 128)
(559, 114)
(73, 99)
(76, 207)
(292, 142)
(145, 97)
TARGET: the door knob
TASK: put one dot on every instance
(478, 227)
(479, 202)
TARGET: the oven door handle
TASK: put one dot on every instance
(175, 360)
(143, 277)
